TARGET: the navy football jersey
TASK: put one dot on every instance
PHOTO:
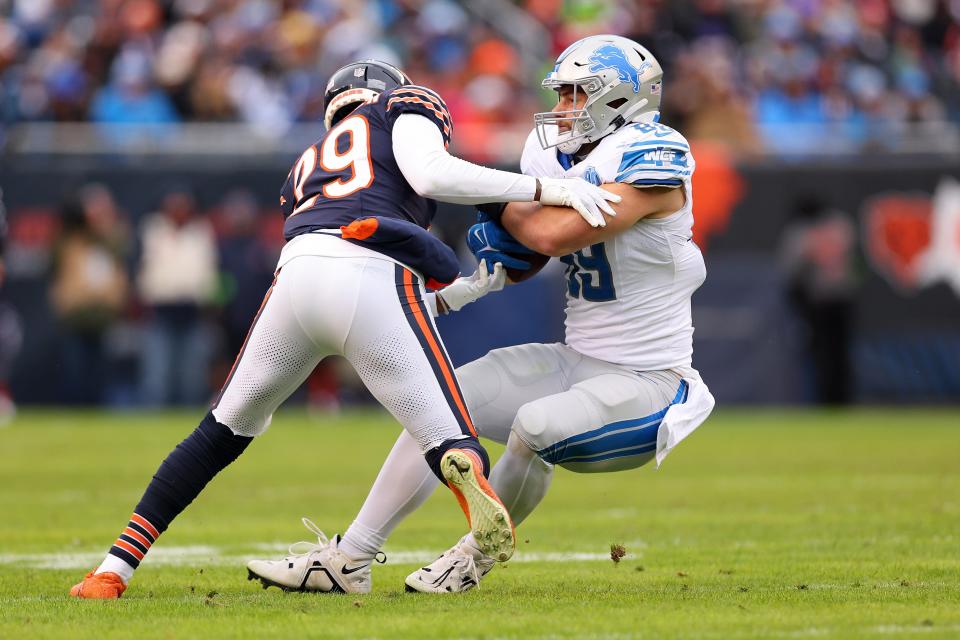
(351, 172)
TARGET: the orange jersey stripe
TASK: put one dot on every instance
(436, 349)
(132, 550)
(429, 105)
(441, 111)
(435, 99)
(140, 520)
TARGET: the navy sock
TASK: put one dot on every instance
(180, 479)
(434, 456)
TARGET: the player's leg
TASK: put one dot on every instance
(608, 418)
(394, 346)
(275, 359)
(397, 351)
(494, 388)
(607, 422)
(404, 483)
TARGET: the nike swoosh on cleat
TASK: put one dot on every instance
(347, 572)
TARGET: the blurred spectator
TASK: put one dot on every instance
(177, 279)
(10, 336)
(818, 253)
(704, 102)
(855, 67)
(89, 290)
(132, 100)
(246, 265)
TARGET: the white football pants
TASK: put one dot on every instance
(584, 414)
(366, 308)
(550, 405)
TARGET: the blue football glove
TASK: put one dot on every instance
(490, 211)
(491, 242)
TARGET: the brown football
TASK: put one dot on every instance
(537, 261)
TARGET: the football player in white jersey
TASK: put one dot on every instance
(621, 390)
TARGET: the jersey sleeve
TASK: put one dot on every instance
(655, 161)
(422, 101)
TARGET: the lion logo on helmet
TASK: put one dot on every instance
(610, 56)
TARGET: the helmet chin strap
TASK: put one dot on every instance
(570, 147)
(633, 114)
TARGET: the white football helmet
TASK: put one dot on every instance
(623, 83)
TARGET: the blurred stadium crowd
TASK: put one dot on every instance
(148, 314)
(737, 70)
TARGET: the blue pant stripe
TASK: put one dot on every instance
(589, 436)
(619, 425)
(640, 436)
(619, 453)
(605, 442)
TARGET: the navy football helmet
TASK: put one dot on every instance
(358, 83)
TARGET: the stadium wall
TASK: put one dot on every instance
(752, 344)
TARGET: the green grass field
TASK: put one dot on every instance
(765, 524)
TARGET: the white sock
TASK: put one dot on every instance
(469, 544)
(404, 483)
(521, 479)
(113, 564)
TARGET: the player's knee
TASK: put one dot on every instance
(520, 449)
(531, 425)
(241, 420)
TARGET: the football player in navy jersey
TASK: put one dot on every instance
(352, 280)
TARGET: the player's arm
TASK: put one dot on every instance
(558, 231)
(421, 155)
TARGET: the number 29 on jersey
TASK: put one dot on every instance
(345, 147)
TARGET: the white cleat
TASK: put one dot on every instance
(489, 520)
(460, 568)
(318, 567)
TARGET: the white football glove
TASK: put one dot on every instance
(463, 291)
(589, 200)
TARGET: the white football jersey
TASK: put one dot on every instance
(628, 299)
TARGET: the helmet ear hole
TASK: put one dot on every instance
(343, 112)
(616, 104)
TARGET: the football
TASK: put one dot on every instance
(537, 262)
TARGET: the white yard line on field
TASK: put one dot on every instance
(221, 556)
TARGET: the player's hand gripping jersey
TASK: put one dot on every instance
(628, 299)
